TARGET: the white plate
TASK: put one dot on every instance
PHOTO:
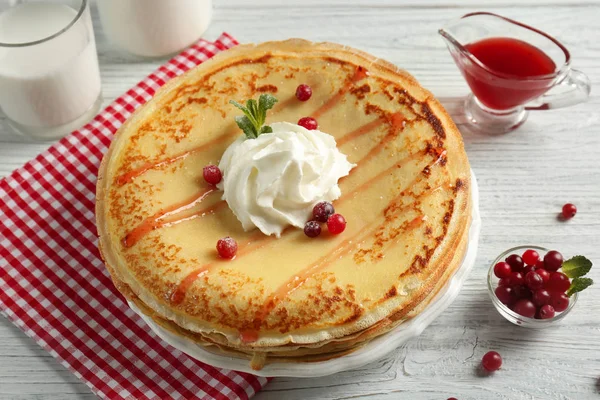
(373, 350)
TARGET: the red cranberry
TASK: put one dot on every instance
(528, 269)
(303, 92)
(504, 282)
(533, 280)
(516, 279)
(525, 308)
(559, 301)
(452, 398)
(336, 224)
(546, 311)
(543, 273)
(553, 260)
(309, 123)
(502, 270)
(569, 210)
(312, 229)
(531, 257)
(491, 361)
(212, 174)
(504, 294)
(515, 261)
(541, 297)
(558, 282)
(540, 263)
(227, 247)
(322, 211)
(521, 292)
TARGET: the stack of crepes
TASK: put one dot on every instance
(296, 299)
(54, 286)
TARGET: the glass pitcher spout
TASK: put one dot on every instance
(452, 42)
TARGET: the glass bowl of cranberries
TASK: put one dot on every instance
(528, 288)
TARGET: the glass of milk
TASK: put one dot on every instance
(154, 28)
(49, 75)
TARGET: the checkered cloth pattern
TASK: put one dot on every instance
(54, 286)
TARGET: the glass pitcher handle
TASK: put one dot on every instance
(573, 89)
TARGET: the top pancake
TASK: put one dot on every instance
(407, 203)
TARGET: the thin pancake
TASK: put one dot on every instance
(407, 202)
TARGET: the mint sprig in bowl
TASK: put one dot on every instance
(526, 283)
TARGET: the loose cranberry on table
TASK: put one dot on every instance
(227, 247)
(336, 224)
(568, 211)
(309, 123)
(303, 92)
(212, 174)
(491, 361)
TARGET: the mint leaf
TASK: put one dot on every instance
(266, 102)
(252, 106)
(238, 105)
(578, 284)
(255, 115)
(246, 111)
(576, 266)
(247, 126)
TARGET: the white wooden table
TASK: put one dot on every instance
(524, 179)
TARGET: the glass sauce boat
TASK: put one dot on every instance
(500, 101)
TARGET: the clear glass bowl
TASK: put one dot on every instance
(509, 314)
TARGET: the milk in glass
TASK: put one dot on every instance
(49, 76)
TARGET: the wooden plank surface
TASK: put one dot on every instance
(524, 179)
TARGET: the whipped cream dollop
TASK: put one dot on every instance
(274, 181)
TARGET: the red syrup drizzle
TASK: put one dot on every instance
(345, 247)
(156, 221)
(260, 240)
(134, 173)
(359, 74)
(160, 218)
(248, 336)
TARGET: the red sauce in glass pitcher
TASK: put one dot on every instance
(516, 59)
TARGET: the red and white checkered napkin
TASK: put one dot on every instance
(54, 286)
